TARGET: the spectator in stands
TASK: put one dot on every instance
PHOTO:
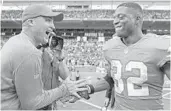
(101, 13)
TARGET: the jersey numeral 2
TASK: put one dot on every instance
(131, 81)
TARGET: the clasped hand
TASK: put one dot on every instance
(77, 90)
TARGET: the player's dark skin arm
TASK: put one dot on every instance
(97, 85)
(108, 93)
(100, 84)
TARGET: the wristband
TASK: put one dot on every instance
(90, 89)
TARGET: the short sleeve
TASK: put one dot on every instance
(165, 48)
(166, 58)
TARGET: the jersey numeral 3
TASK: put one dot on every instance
(131, 81)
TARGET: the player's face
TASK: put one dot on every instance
(41, 26)
(124, 21)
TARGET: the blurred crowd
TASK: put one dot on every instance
(3, 40)
(11, 14)
(80, 54)
(90, 14)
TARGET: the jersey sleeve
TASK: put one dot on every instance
(107, 62)
(166, 49)
(111, 43)
(165, 59)
(108, 93)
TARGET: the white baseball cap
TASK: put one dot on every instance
(41, 10)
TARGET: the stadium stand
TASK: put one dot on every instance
(93, 14)
(86, 56)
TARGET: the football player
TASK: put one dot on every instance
(138, 63)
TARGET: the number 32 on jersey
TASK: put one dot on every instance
(131, 81)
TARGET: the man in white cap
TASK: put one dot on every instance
(21, 64)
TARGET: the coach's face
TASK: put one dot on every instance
(41, 26)
(124, 22)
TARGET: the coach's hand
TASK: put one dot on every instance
(75, 86)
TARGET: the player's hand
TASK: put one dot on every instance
(75, 86)
(84, 94)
